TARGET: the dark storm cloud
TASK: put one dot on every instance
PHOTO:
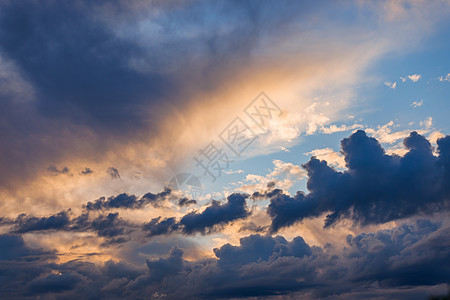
(110, 226)
(129, 201)
(255, 248)
(377, 187)
(12, 247)
(75, 62)
(54, 283)
(94, 75)
(24, 223)
(216, 214)
(159, 227)
(410, 255)
(262, 266)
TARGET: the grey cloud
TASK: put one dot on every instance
(113, 172)
(128, 201)
(216, 214)
(97, 81)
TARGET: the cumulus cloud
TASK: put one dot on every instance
(376, 188)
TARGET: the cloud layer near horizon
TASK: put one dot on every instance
(412, 254)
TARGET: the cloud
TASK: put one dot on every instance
(216, 214)
(117, 230)
(55, 171)
(375, 189)
(260, 266)
(416, 104)
(89, 80)
(109, 226)
(159, 227)
(333, 128)
(12, 247)
(444, 78)
(282, 175)
(186, 202)
(24, 223)
(255, 248)
(392, 85)
(333, 158)
(113, 172)
(54, 283)
(428, 123)
(87, 171)
(414, 77)
(129, 201)
(385, 134)
(413, 254)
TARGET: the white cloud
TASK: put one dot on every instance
(398, 149)
(283, 174)
(444, 78)
(386, 134)
(333, 158)
(315, 122)
(434, 136)
(403, 79)
(414, 77)
(229, 172)
(333, 128)
(427, 123)
(416, 104)
(392, 85)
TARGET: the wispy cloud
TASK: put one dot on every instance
(417, 104)
(392, 85)
(444, 78)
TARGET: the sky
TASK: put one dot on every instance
(224, 149)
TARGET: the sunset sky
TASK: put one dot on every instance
(224, 149)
